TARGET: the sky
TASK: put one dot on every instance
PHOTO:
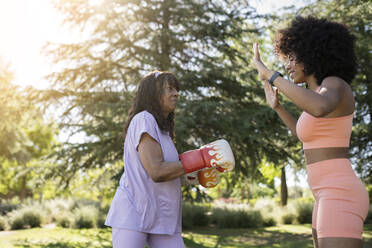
(25, 26)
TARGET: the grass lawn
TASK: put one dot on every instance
(287, 236)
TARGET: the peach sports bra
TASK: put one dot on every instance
(324, 132)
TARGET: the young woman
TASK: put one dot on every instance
(146, 208)
(320, 53)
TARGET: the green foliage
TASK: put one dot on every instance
(269, 172)
(304, 212)
(64, 220)
(269, 221)
(32, 218)
(24, 139)
(17, 223)
(101, 219)
(25, 217)
(194, 215)
(225, 215)
(12, 117)
(85, 217)
(288, 218)
(79, 213)
(228, 218)
(3, 223)
(7, 207)
(260, 190)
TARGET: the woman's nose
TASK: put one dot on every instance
(287, 65)
(175, 93)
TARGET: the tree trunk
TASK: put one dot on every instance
(165, 46)
(283, 188)
(22, 194)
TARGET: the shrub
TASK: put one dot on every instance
(101, 220)
(288, 218)
(2, 224)
(17, 222)
(23, 218)
(84, 221)
(81, 203)
(194, 215)
(102, 216)
(85, 217)
(64, 220)
(304, 212)
(267, 204)
(269, 221)
(6, 208)
(57, 208)
(227, 218)
(32, 218)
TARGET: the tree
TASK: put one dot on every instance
(13, 107)
(20, 178)
(24, 139)
(206, 44)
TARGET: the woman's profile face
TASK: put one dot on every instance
(169, 98)
(295, 69)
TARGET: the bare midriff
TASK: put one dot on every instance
(320, 154)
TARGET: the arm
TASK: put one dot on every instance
(318, 105)
(151, 156)
(272, 99)
(315, 104)
(287, 118)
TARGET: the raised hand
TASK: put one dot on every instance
(263, 72)
(271, 95)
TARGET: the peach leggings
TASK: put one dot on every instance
(341, 200)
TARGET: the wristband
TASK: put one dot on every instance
(273, 77)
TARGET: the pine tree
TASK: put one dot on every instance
(206, 44)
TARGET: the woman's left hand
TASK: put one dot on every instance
(263, 72)
(271, 95)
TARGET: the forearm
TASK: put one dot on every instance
(287, 118)
(168, 171)
(302, 97)
(151, 157)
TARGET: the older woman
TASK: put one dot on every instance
(147, 205)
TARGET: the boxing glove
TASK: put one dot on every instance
(217, 154)
(207, 177)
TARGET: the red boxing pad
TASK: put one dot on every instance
(192, 160)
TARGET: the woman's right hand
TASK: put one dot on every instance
(271, 95)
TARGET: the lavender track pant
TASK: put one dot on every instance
(124, 238)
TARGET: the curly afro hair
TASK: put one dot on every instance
(325, 48)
